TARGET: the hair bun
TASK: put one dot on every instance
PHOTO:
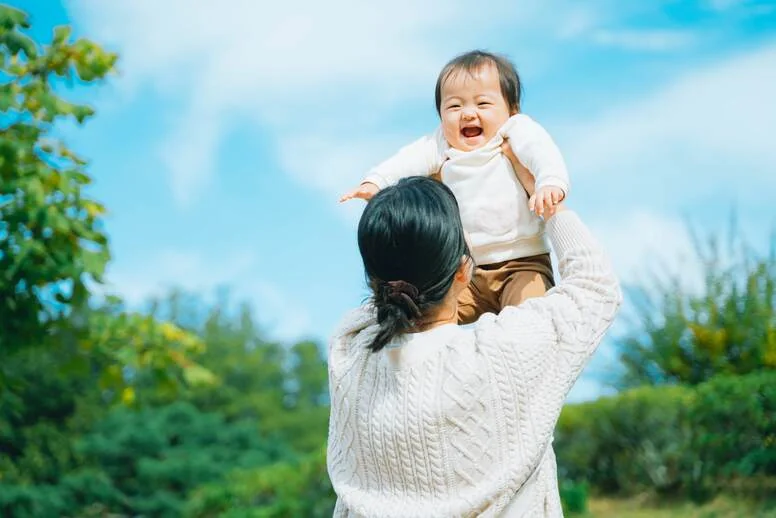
(404, 294)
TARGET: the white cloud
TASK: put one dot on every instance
(166, 269)
(579, 20)
(642, 242)
(253, 47)
(280, 315)
(333, 168)
(692, 148)
(268, 62)
(314, 161)
(190, 154)
(294, 68)
(654, 40)
(709, 133)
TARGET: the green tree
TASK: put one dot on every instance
(66, 357)
(128, 463)
(51, 239)
(154, 457)
(53, 247)
(67, 451)
(285, 489)
(687, 336)
(43, 410)
(284, 389)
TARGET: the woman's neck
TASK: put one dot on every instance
(446, 313)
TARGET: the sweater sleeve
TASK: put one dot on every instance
(544, 343)
(536, 150)
(423, 157)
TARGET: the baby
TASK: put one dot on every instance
(478, 101)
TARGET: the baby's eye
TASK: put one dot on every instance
(483, 103)
(453, 106)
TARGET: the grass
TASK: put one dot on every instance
(721, 507)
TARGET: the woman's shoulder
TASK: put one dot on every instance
(353, 327)
(528, 319)
(356, 320)
(517, 337)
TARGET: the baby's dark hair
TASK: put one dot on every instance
(412, 242)
(471, 62)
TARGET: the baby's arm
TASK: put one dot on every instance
(421, 158)
(536, 150)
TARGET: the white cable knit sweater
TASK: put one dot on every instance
(457, 422)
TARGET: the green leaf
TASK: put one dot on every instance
(10, 18)
(94, 263)
(196, 375)
(82, 112)
(36, 195)
(77, 176)
(92, 62)
(65, 108)
(80, 293)
(59, 223)
(76, 366)
(8, 98)
(17, 42)
(84, 71)
(111, 377)
(62, 34)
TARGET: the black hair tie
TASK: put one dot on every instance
(403, 293)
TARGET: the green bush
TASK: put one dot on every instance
(281, 490)
(574, 497)
(735, 418)
(154, 457)
(672, 439)
(636, 440)
(727, 325)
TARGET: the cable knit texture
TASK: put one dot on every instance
(458, 422)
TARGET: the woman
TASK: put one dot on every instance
(432, 419)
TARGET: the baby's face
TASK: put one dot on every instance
(473, 108)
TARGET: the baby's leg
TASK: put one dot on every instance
(476, 299)
(528, 277)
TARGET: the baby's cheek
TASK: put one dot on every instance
(493, 125)
(450, 131)
(489, 131)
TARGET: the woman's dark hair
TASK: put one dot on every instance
(471, 62)
(412, 242)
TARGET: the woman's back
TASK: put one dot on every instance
(459, 422)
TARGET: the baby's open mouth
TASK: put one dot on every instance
(471, 132)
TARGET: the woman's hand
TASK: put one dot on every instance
(524, 176)
(546, 203)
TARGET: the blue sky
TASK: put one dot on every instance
(223, 144)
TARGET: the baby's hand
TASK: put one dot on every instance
(365, 191)
(546, 198)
